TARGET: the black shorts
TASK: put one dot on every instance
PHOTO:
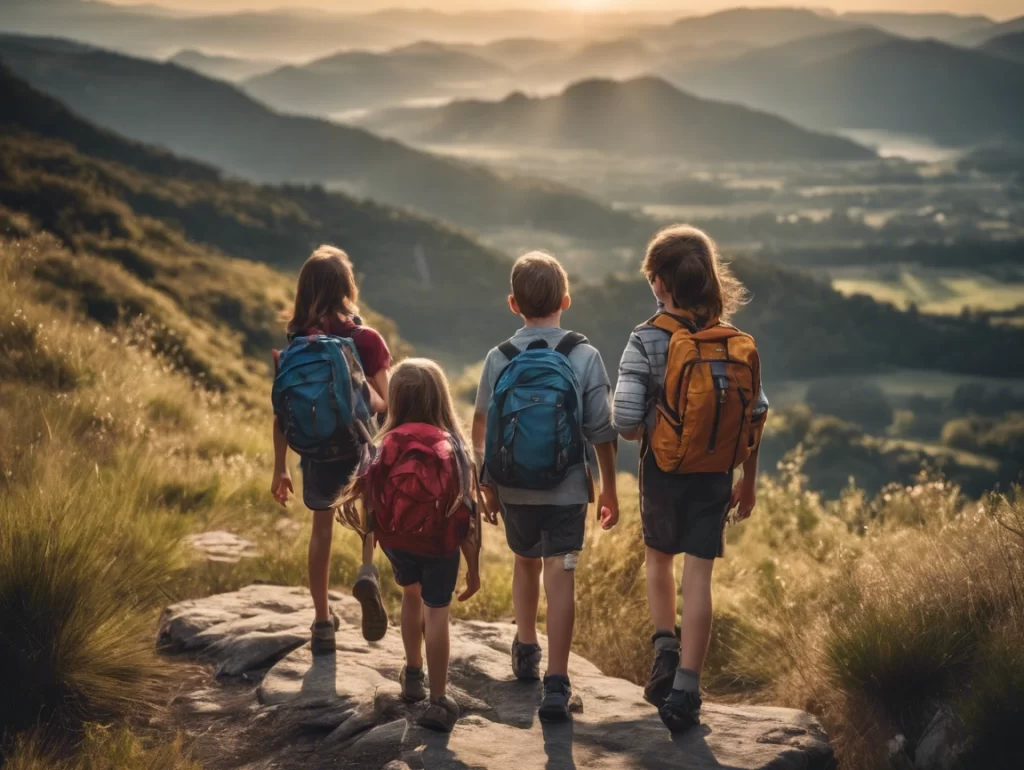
(323, 483)
(436, 575)
(684, 512)
(536, 531)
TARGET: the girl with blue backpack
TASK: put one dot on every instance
(329, 383)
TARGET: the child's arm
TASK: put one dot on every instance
(608, 501)
(377, 403)
(281, 486)
(631, 397)
(744, 495)
(488, 497)
(379, 386)
(471, 550)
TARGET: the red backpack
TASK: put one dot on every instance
(419, 491)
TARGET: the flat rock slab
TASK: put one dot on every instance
(351, 700)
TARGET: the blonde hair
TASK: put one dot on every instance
(687, 261)
(418, 392)
(539, 284)
(327, 286)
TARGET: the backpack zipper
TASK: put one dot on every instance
(722, 395)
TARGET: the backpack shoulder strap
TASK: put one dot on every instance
(509, 350)
(672, 323)
(570, 342)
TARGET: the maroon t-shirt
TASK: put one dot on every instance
(373, 350)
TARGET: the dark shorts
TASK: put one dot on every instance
(437, 575)
(323, 483)
(684, 512)
(536, 531)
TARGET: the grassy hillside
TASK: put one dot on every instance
(646, 116)
(163, 104)
(953, 95)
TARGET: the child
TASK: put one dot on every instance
(326, 303)
(689, 448)
(419, 494)
(542, 396)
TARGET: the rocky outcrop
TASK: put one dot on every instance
(345, 711)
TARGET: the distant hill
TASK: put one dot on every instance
(752, 26)
(214, 122)
(952, 95)
(230, 68)
(516, 53)
(619, 58)
(1010, 46)
(941, 26)
(362, 79)
(646, 116)
(981, 36)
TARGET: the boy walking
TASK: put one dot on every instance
(543, 395)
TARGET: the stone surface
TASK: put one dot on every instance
(937, 749)
(219, 546)
(352, 700)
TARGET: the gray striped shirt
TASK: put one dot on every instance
(642, 377)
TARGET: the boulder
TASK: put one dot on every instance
(351, 700)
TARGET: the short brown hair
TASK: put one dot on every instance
(327, 285)
(687, 261)
(539, 284)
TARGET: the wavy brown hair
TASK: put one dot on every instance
(687, 262)
(327, 285)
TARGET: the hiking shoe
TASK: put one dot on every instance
(413, 684)
(663, 672)
(441, 715)
(322, 635)
(367, 592)
(681, 711)
(554, 706)
(525, 660)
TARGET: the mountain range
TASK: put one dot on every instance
(864, 79)
(230, 68)
(147, 233)
(645, 116)
(214, 122)
(1010, 45)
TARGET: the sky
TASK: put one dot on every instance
(1000, 9)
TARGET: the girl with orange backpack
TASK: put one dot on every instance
(419, 496)
(689, 390)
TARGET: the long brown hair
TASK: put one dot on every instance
(418, 392)
(687, 261)
(327, 286)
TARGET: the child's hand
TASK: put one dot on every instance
(491, 507)
(281, 487)
(608, 510)
(472, 586)
(744, 498)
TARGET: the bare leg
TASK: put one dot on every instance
(437, 650)
(412, 625)
(368, 543)
(696, 623)
(661, 589)
(320, 562)
(560, 589)
(526, 597)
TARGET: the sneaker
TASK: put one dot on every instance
(681, 711)
(367, 592)
(441, 715)
(554, 706)
(413, 684)
(663, 672)
(525, 660)
(322, 635)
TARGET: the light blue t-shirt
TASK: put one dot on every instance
(597, 414)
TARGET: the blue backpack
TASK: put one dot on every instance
(535, 418)
(318, 398)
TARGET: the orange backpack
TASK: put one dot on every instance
(704, 421)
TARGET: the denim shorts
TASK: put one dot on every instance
(323, 483)
(536, 531)
(436, 575)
